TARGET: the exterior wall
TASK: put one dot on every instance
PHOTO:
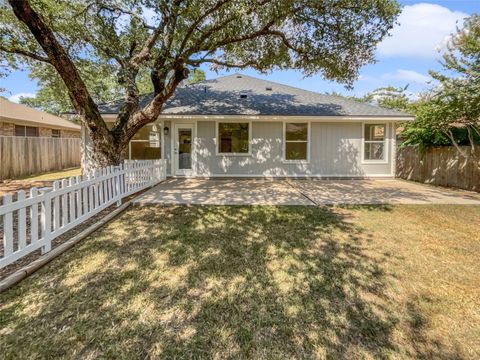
(335, 150)
(44, 132)
(8, 129)
(69, 134)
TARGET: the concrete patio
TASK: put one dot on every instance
(301, 192)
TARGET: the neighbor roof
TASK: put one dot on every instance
(240, 94)
(21, 114)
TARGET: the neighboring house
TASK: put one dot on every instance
(240, 126)
(21, 120)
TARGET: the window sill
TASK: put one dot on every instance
(234, 154)
(295, 161)
(379, 162)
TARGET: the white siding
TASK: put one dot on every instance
(335, 150)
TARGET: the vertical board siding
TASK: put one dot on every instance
(443, 166)
(67, 204)
(20, 156)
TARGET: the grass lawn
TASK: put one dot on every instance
(55, 175)
(257, 282)
(40, 180)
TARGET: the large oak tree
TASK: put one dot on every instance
(166, 38)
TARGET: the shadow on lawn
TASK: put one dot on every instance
(203, 282)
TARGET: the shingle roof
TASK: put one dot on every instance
(18, 113)
(240, 94)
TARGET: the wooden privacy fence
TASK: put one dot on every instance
(21, 156)
(31, 223)
(443, 166)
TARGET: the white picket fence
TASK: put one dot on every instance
(32, 222)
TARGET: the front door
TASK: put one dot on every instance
(183, 149)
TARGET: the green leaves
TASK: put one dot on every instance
(452, 109)
(116, 45)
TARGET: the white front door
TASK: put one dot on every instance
(182, 149)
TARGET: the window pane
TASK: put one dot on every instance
(185, 149)
(233, 137)
(141, 150)
(144, 132)
(55, 133)
(296, 131)
(19, 130)
(296, 151)
(374, 132)
(374, 151)
(31, 131)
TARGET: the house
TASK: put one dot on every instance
(21, 120)
(241, 126)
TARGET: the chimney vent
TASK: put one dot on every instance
(239, 76)
(268, 88)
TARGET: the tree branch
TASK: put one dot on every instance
(452, 139)
(220, 63)
(25, 53)
(77, 90)
(197, 22)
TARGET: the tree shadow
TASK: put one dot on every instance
(209, 282)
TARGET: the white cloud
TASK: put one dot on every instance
(409, 76)
(423, 29)
(16, 97)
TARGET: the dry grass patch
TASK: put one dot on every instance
(257, 282)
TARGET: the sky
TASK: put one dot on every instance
(403, 58)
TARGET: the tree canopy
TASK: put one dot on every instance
(166, 38)
(451, 110)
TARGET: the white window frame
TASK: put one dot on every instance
(162, 154)
(385, 143)
(59, 133)
(217, 139)
(284, 142)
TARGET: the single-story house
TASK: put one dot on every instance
(241, 126)
(21, 120)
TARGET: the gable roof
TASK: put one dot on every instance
(240, 94)
(21, 114)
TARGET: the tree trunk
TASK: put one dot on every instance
(98, 153)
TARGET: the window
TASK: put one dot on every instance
(374, 142)
(233, 138)
(21, 130)
(55, 133)
(296, 141)
(146, 143)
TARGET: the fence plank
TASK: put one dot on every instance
(64, 203)
(56, 206)
(444, 166)
(7, 228)
(33, 217)
(21, 156)
(71, 200)
(22, 222)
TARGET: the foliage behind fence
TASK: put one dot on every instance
(443, 166)
(20, 156)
